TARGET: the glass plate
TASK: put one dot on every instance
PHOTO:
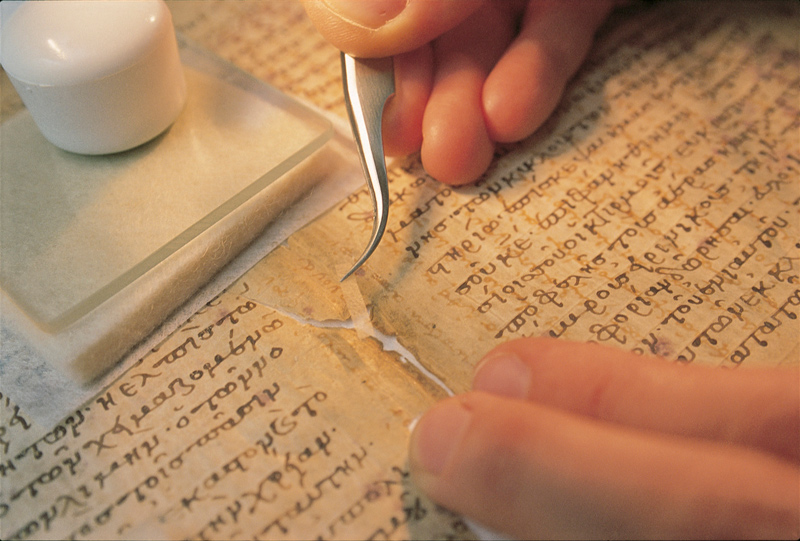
(75, 230)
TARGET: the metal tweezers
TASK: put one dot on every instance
(368, 83)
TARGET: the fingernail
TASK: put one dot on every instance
(438, 434)
(504, 374)
(368, 13)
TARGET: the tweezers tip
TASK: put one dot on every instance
(359, 263)
(349, 273)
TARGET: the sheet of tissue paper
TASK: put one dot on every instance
(97, 251)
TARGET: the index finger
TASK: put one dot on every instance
(758, 408)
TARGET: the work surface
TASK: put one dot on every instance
(657, 211)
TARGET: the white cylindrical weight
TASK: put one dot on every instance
(98, 76)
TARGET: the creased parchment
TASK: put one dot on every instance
(657, 211)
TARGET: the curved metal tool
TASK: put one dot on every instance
(368, 83)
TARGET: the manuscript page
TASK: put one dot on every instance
(656, 211)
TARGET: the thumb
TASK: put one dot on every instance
(376, 28)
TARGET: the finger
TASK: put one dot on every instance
(456, 148)
(531, 471)
(756, 407)
(527, 83)
(376, 28)
(402, 117)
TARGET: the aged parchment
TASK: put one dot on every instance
(656, 211)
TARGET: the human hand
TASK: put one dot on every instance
(468, 73)
(576, 440)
